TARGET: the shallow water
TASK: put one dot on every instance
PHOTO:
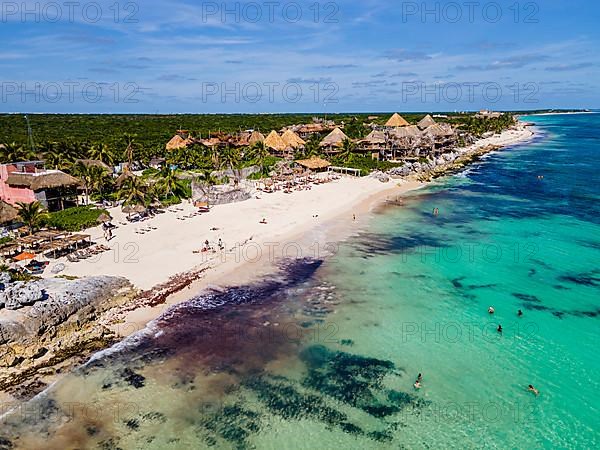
(324, 354)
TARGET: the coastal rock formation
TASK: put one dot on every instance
(48, 321)
(20, 294)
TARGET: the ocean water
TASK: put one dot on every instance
(324, 354)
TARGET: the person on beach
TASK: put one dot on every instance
(491, 310)
(533, 390)
(263, 222)
(354, 217)
(221, 245)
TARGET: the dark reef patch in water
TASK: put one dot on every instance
(354, 380)
(527, 297)
(373, 244)
(590, 279)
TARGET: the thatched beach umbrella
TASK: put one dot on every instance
(8, 213)
(129, 209)
(104, 218)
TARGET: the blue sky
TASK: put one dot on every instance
(302, 56)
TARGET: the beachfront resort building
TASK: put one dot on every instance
(29, 181)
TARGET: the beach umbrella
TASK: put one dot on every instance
(24, 256)
(104, 218)
(133, 209)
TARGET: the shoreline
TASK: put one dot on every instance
(312, 237)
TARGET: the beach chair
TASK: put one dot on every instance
(72, 258)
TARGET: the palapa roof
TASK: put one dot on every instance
(255, 137)
(334, 139)
(8, 213)
(292, 139)
(409, 131)
(396, 121)
(426, 121)
(93, 163)
(178, 142)
(275, 142)
(45, 180)
(314, 163)
(375, 137)
(439, 130)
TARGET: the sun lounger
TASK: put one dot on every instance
(72, 258)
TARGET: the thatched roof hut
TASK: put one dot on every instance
(375, 138)
(425, 122)
(334, 139)
(439, 130)
(8, 213)
(50, 179)
(93, 163)
(396, 121)
(255, 137)
(314, 163)
(292, 139)
(178, 142)
(274, 141)
(410, 131)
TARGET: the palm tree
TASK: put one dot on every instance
(231, 159)
(83, 172)
(31, 214)
(206, 181)
(347, 152)
(102, 152)
(14, 152)
(133, 191)
(97, 176)
(312, 147)
(171, 183)
(260, 153)
(131, 145)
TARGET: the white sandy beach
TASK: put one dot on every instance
(152, 258)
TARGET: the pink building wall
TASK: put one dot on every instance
(12, 195)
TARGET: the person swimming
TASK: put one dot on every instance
(520, 313)
(491, 310)
(533, 390)
(500, 329)
(417, 384)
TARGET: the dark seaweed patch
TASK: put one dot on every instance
(371, 244)
(527, 297)
(583, 279)
(457, 282)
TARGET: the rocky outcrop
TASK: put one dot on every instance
(435, 167)
(45, 322)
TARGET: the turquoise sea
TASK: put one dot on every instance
(324, 354)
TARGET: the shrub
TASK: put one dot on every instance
(74, 219)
